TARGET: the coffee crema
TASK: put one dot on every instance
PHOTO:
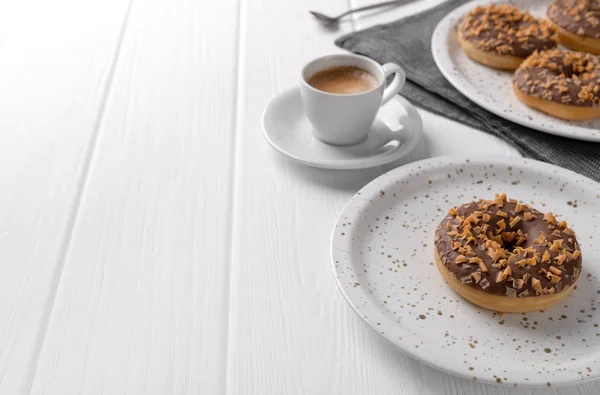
(344, 80)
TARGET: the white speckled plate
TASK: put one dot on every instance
(492, 89)
(382, 256)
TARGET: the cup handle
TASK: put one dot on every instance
(397, 83)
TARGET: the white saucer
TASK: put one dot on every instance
(395, 133)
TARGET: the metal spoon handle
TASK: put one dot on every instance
(370, 7)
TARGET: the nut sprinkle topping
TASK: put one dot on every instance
(517, 252)
(506, 30)
(580, 17)
(565, 77)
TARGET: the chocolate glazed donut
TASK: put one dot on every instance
(577, 23)
(501, 36)
(506, 256)
(564, 84)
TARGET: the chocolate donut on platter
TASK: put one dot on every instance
(506, 256)
(577, 23)
(564, 84)
(501, 36)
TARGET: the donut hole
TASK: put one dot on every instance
(509, 245)
(564, 71)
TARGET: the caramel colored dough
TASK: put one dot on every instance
(490, 59)
(579, 43)
(498, 303)
(563, 111)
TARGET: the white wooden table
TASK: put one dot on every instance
(150, 240)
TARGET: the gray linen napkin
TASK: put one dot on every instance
(407, 42)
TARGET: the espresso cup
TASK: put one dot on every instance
(345, 119)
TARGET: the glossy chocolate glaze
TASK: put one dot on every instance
(565, 77)
(570, 268)
(581, 17)
(506, 30)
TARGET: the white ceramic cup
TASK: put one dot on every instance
(341, 119)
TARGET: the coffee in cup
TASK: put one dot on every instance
(343, 80)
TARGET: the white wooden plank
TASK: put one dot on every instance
(142, 305)
(446, 137)
(55, 67)
(290, 330)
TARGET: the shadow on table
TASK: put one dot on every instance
(352, 180)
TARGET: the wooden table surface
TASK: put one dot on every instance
(151, 242)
